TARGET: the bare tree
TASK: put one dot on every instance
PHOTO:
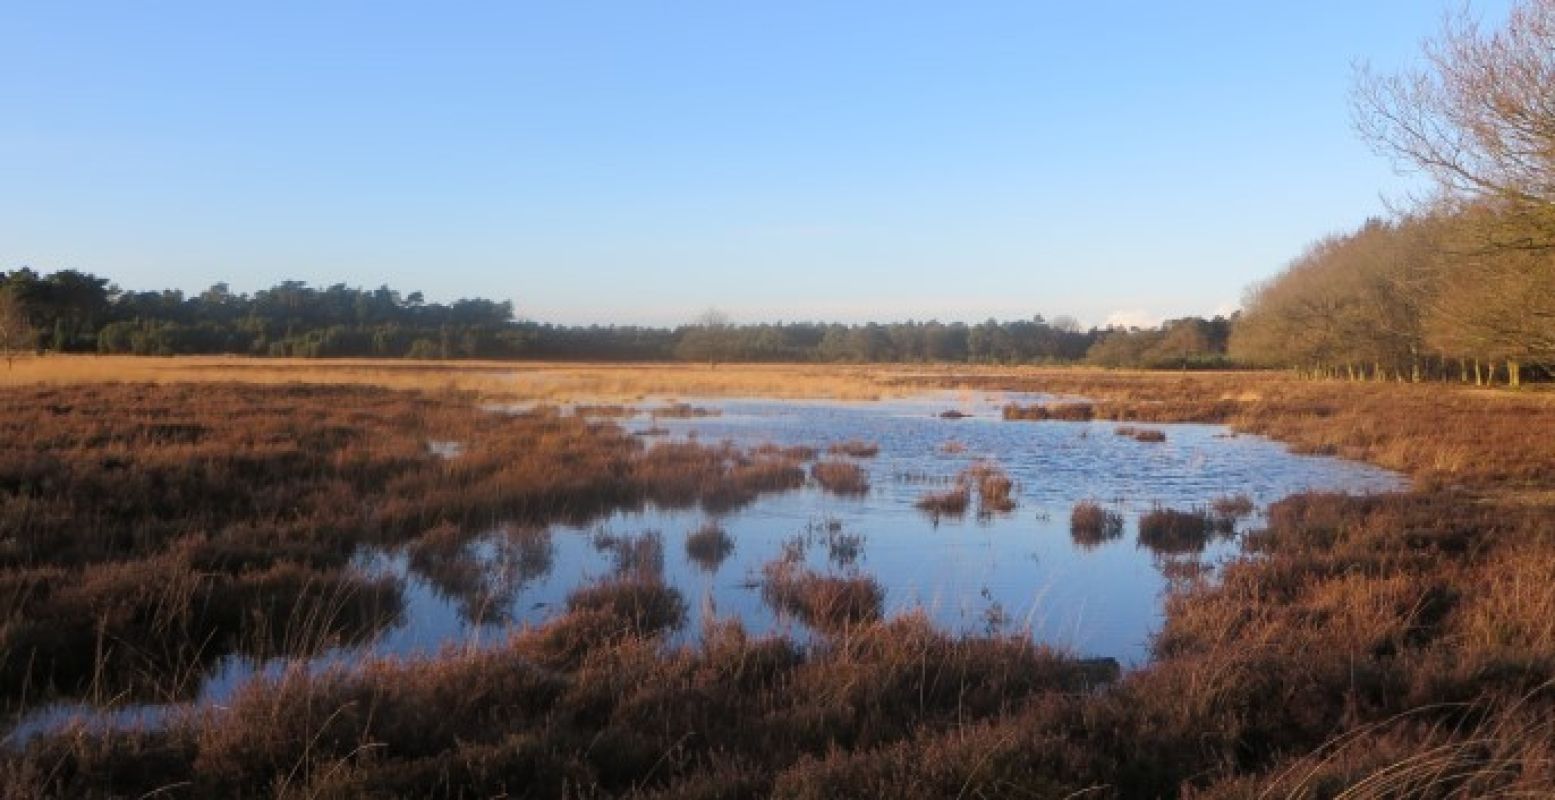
(713, 319)
(709, 338)
(16, 333)
(1480, 117)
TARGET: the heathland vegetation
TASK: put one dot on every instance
(1400, 642)
(1379, 646)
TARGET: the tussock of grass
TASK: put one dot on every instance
(1234, 506)
(824, 602)
(605, 410)
(840, 477)
(708, 546)
(1150, 435)
(992, 487)
(951, 502)
(642, 601)
(1091, 525)
(1169, 530)
(1069, 412)
(854, 448)
(683, 411)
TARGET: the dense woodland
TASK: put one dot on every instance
(74, 312)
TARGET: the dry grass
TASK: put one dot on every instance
(708, 546)
(588, 705)
(992, 487)
(1391, 646)
(1091, 525)
(840, 477)
(854, 448)
(950, 502)
(1169, 530)
(1149, 435)
(824, 602)
(1441, 435)
(150, 530)
(500, 380)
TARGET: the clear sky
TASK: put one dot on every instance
(640, 162)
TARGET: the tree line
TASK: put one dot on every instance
(1462, 285)
(75, 312)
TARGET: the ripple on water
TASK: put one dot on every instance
(1012, 571)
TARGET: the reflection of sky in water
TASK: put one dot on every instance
(1101, 601)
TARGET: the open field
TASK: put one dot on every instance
(1391, 646)
(504, 380)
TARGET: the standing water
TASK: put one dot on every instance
(1019, 570)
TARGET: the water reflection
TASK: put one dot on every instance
(708, 546)
(481, 577)
(1051, 558)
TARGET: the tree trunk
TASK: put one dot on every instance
(1514, 374)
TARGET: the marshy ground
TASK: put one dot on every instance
(1390, 645)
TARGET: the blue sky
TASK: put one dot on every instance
(641, 162)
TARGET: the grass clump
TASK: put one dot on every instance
(644, 603)
(1068, 412)
(988, 483)
(854, 448)
(1169, 530)
(840, 477)
(824, 602)
(683, 411)
(605, 410)
(1151, 435)
(708, 546)
(1234, 506)
(1091, 525)
(992, 487)
(950, 502)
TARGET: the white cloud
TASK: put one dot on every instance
(1133, 318)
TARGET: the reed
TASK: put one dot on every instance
(1091, 525)
(840, 477)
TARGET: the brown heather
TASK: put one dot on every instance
(840, 477)
(824, 602)
(1150, 435)
(988, 482)
(708, 546)
(150, 530)
(1091, 525)
(1390, 646)
(855, 448)
(1168, 530)
(949, 502)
